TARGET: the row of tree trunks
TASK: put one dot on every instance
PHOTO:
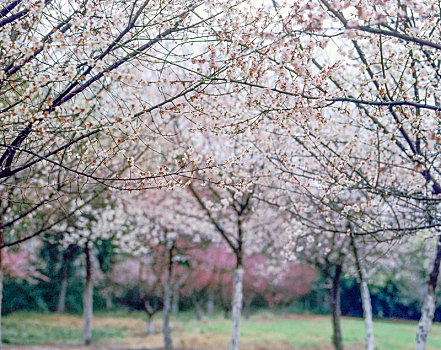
(334, 301)
(334, 292)
(424, 325)
(427, 311)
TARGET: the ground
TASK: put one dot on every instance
(265, 330)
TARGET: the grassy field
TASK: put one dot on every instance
(265, 330)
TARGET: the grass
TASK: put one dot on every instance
(265, 330)
(316, 331)
(38, 329)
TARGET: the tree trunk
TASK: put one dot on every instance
(334, 292)
(428, 308)
(237, 307)
(108, 298)
(61, 307)
(367, 314)
(247, 308)
(365, 298)
(175, 304)
(198, 308)
(167, 302)
(210, 303)
(166, 317)
(150, 311)
(226, 313)
(150, 325)
(88, 299)
(1, 278)
(225, 303)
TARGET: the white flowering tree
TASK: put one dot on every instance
(354, 84)
(156, 230)
(246, 225)
(101, 221)
(91, 92)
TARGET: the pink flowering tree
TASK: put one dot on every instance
(279, 282)
(22, 264)
(210, 272)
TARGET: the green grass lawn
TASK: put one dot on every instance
(308, 331)
(275, 330)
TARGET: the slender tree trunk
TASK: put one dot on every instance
(334, 292)
(199, 314)
(307, 304)
(166, 317)
(61, 307)
(1, 277)
(237, 307)
(247, 308)
(88, 299)
(367, 313)
(242, 208)
(428, 308)
(175, 303)
(198, 308)
(210, 302)
(225, 303)
(150, 325)
(226, 315)
(168, 345)
(108, 298)
(365, 298)
(150, 311)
